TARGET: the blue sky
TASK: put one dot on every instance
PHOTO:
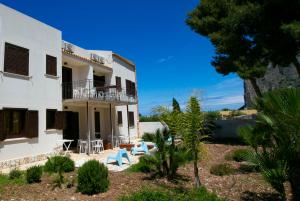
(172, 61)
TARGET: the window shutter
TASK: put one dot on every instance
(120, 118)
(133, 89)
(128, 87)
(16, 59)
(51, 65)
(131, 119)
(60, 120)
(32, 124)
(2, 126)
(118, 83)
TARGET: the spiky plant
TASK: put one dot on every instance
(194, 128)
(276, 139)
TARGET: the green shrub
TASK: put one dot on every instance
(248, 168)
(34, 174)
(151, 118)
(92, 178)
(148, 195)
(149, 137)
(146, 164)
(222, 169)
(238, 155)
(15, 174)
(59, 163)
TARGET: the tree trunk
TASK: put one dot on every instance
(255, 87)
(196, 171)
(171, 159)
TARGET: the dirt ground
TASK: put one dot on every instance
(239, 186)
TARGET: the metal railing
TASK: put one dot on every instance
(95, 90)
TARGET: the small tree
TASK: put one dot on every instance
(194, 133)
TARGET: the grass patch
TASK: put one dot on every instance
(162, 194)
(238, 155)
(248, 168)
(222, 169)
(5, 180)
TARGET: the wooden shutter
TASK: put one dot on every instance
(2, 126)
(32, 124)
(60, 120)
(128, 87)
(16, 59)
(120, 118)
(118, 83)
(132, 88)
(51, 65)
(131, 119)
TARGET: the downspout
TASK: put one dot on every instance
(128, 124)
(111, 127)
(88, 127)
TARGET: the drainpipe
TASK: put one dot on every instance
(88, 128)
(111, 127)
(128, 123)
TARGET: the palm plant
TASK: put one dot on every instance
(276, 139)
(193, 133)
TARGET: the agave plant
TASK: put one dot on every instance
(276, 139)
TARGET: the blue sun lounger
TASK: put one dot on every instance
(143, 148)
(122, 153)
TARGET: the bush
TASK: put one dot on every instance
(146, 164)
(248, 168)
(238, 155)
(15, 174)
(149, 137)
(59, 163)
(222, 169)
(151, 118)
(92, 178)
(201, 194)
(34, 174)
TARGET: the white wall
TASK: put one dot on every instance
(150, 127)
(38, 92)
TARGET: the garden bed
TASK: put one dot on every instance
(238, 186)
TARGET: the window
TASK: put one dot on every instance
(16, 59)
(55, 119)
(130, 88)
(16, 123)
(120, 118)
(131, 119)
(118, 83)
(50, 119)
(51, 65)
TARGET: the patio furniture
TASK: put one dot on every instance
(97, 146)
(82, 146)
(122, 153)
(142, 148)
(65, 143)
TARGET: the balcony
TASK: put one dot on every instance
(91, 90)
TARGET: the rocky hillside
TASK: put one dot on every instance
(274, 78)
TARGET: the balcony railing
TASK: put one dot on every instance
(93, 90)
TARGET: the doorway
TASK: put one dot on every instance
(97, 125)
(67, 85)
(71, 131)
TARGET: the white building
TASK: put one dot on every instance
(51, 90)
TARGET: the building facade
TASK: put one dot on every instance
(51, 89)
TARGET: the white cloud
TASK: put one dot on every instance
(162, 60)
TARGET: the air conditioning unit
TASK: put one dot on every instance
(97, 58)
(68, 47)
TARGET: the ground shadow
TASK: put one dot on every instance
(253, 196)
(225, 141)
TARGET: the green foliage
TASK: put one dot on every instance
(222, 169)
(15, 174)
(194, 132)
(247, 168)
(148, 194)
(238, 155)
(56, 164)
(146, 164)
(34, 174)
(58, 180)
(150, 118)
(149, 137)
(176, 106)
(212, 115)
(276, 139)
(92, 178)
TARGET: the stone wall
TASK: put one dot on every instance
(278, 77)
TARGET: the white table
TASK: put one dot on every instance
(66, 143)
